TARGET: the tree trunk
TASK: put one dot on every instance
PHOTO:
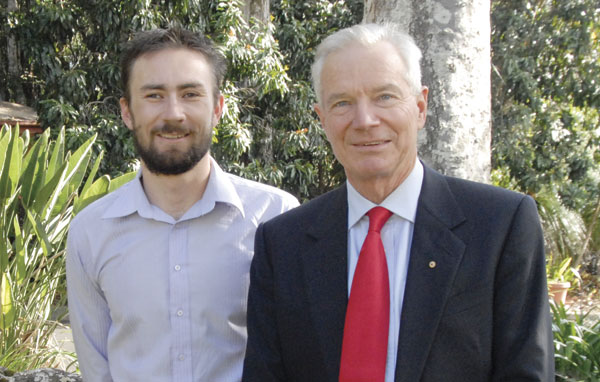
(12, 55)
(259, 9)
(454, 36)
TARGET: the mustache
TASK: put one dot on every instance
(170, 128)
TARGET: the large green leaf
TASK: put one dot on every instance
(121, 180)
(98, 189)
(3, 247)
(26, 138)
(4, 139)
(12, 165)
(77, 166)
(45, 196)
(58, 155)
(92, 175)
(40, 232)
(7, 316)
(33, 175)
(19, 252)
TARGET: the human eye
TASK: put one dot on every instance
(339, 104)
(152, 96)
(191, 94)
(386, 97)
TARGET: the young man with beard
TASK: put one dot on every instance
(157, 271)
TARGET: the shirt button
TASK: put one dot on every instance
(181, 357)
(178, 267)
(180, 313)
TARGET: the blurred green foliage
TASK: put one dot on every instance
(546, 124)
(546, 119)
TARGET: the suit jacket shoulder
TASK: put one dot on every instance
(321, 212)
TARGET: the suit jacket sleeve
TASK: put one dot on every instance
(263, 361)
(523, 345)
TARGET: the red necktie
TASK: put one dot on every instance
(364, 349)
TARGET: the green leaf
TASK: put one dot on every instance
(58, 156)
(93, 172)
(19, 252)
(8, 313)
(33, 176)
(3, 248)
(12, 165)
(40, 233)
(26, 138)
(77, 166)
(98, 189)
(4, 139)
(121, 180)
(50, 189)
(78, 163)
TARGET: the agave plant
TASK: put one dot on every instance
(41, 188)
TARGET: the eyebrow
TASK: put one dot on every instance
(387, 87)
(187, 85)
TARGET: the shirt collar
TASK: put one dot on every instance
(402, 201)
(132, 198)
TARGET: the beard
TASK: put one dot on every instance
(172, 161)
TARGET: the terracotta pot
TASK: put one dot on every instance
(558, 290)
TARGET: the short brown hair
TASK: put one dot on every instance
(175, 37)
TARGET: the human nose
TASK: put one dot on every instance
(365, 115)
(174, 110)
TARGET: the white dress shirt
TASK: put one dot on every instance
(157, 299)
(396, 236)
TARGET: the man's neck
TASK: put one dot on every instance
(176, 194)
(377, 189)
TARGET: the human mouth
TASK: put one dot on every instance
(371, 143)
(172, 132)
(172, 135)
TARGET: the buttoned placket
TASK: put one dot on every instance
(181, 351)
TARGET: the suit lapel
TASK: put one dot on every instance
(435, 255)
(326, 276)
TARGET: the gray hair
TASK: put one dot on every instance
(368, 35)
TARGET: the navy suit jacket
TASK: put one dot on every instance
(480, 314)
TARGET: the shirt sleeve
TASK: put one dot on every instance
(89, 315)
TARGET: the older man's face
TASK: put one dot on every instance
(370, 114)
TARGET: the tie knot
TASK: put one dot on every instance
(377, 218)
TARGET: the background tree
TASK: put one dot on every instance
(455, 39)
(546, 68)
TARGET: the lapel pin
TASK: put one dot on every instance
(432, 264)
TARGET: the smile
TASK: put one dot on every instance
(373, 143)
(172, 135)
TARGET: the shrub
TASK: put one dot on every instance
(576, 346)
(39, 192)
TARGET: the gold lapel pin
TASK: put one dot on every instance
(432, 264)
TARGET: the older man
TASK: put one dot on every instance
(401, 274)
(157, 271)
